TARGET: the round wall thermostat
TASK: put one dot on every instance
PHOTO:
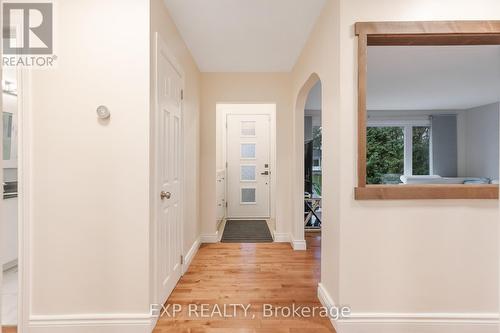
(103, 112)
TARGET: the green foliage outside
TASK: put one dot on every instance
(317, 138)
(317, 145)
(421, 140)
(317, 184)
(385, 153)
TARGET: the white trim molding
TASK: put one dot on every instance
(419, 322)
(210, 238)
(424, 318)
(25, 186)
(188, 258)
(281, 237)
(299, 244)
(327, 301)
(434, 322)
(97, 323)
(285, 237)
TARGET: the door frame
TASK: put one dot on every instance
(24, 194)
(154, 184)
(245, 109)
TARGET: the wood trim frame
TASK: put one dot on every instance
(415, 33)
(434, 191)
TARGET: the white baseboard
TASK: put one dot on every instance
(437, 324)
(190, 255)
(420, 323)
(284, 237)
(430, 318)
(281, 237)
(411, 322)
(210, 238)
(92, 323)
(299, 245)
(327, 301)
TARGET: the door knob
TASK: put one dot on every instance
(265, 173)
(165, 195)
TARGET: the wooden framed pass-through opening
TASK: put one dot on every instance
(426, 33)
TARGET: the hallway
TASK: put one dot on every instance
(253, 274)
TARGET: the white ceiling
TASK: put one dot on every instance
(432, 77)
(245, 35)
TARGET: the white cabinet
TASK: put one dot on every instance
(8, 232)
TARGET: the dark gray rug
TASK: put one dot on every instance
(246, 231)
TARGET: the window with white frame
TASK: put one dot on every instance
(397, 147)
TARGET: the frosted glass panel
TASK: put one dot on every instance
(248, 195)
(248, 172)
(248, 150)
(248, 128)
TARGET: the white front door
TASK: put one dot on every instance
(248, 166)
(169, 166)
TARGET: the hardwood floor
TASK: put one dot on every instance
(9, 329)
(256, 274)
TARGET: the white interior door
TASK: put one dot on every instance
(169, 87)
(248, 166)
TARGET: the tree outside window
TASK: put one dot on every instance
(393, 151)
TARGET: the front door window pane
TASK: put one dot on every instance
(248, 150)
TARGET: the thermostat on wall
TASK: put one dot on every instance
(103, 112)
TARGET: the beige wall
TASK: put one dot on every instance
(321, 58)
(245, 88)
(456, 234)
(90, 178)
(90, 222)
(412, 257)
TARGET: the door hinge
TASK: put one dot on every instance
(226, 204)
(182, 260)
(226, 165)
(182, 94)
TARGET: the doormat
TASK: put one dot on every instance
(246, 231)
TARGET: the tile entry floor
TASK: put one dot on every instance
(9, 297)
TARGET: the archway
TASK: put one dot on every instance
(299, 169)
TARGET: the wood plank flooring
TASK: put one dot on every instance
(254, 274)
(9, 329)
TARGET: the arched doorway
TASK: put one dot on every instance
(307, 160)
